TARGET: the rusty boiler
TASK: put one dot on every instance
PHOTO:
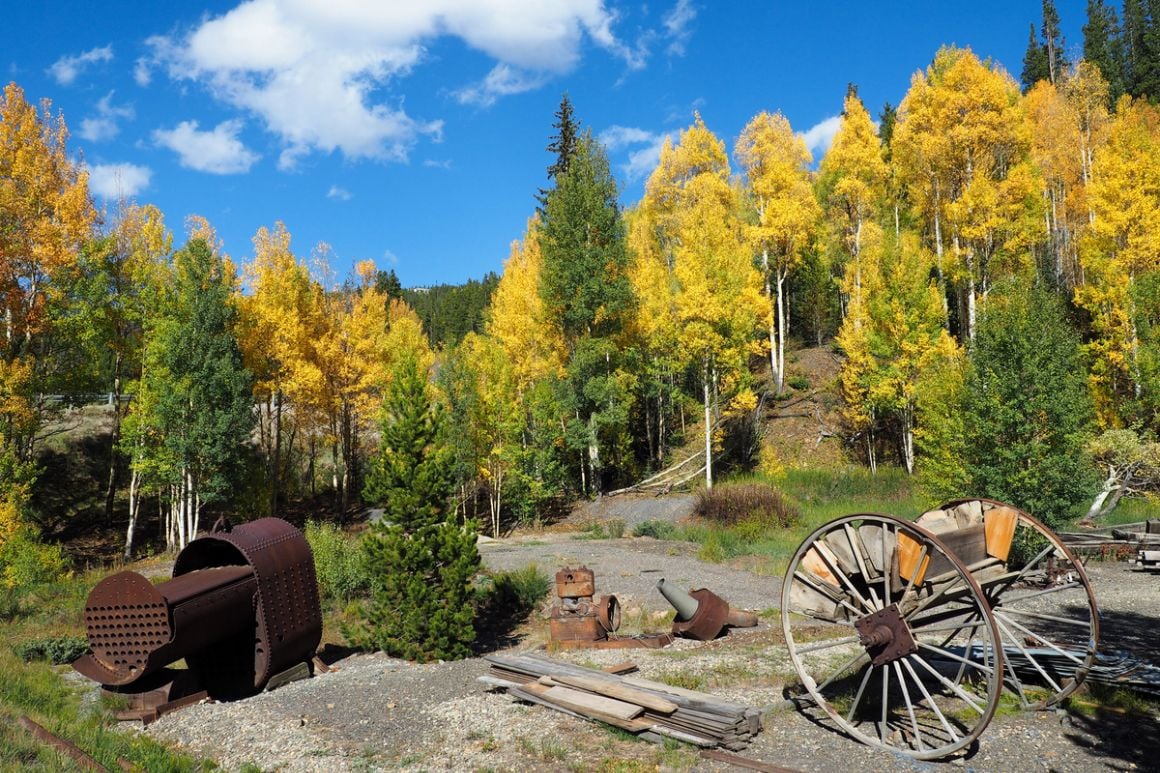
(242, 607)
(580, 616)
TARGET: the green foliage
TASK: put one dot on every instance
(422, 562)
(520, 590)
(755, 504)
(25, 562)
(57, 650)
(1103, 47)
(655, 529)
(449, 312)
(194, 411)
(1027, 411)
(338, 563)
(587, 294)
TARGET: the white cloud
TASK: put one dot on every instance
(104, 125)
(503, 80)
(118, 181)
(335, 192)
(432, 163)
(314, 71)
(819, 136)
(677, 22)
(390, 258)
(641, 161)
(66, 69)
(217, 152)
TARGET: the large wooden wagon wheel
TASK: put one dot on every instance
(904, 653)
(1039, 594)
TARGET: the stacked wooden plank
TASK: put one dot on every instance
(1138, 541)
(652, 710)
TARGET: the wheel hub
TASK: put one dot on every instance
(885, 635)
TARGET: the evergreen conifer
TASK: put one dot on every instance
(422, 562)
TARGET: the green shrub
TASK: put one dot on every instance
(656, 530)
(798, 382)
(338, 562)
(26, 562)
(518, 589)
(57, 650)
(758, 505)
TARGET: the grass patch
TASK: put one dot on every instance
(613, 528)
(810, 498)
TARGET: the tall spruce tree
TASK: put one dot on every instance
(1035, 65)
(586, 292)
(1053, 44)
(1102, 46)
(564, 145)
(421, 559)
(193, 412)
(1134, 66)
(1027, 410)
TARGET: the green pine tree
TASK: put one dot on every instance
(1027, 411)
(1101, 46)
(422, 561)
(1135, 65)
(564, 145)
(1054, 44)
(1035, 64)
(586, 289)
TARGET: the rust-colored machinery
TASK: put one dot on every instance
(702, 614)
(242, 607)
(581, 617)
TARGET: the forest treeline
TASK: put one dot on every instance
(985, 258)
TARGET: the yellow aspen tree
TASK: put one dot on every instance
(961, 147)
(519, 320)
(776, 164)
(717, 299)
(653, 327)
(852, 183)
(135, 270)
(1121, 247)
(495, 417)
(275, 329)
(894, 333)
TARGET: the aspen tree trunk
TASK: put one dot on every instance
(908, 439)
(114, 438)
(773, 372)
(781, 331)
(708, 428)
(134, 507)
(1110, 485)
(276, 462)
(594, 455)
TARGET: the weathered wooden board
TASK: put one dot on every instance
(614, 689)
(999, 526)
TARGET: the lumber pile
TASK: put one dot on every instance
(652, 710)
(1138, 541)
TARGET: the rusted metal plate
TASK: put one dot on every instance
(242, 605)
(289, 614)
(575, 583)
(885, 636)
(710, 618)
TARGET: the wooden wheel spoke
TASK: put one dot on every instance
(1028, 632)
(1040, 616)
(820, 589)
(943, 653)
(1035, 663)
(930, 701)
(858, 695)
(825, 645)
(947, 683)
(909, 705)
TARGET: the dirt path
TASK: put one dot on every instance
(375, 712)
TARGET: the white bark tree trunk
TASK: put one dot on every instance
(708, 429)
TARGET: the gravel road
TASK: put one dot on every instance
(373, 712)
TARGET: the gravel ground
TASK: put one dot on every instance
(373, 712)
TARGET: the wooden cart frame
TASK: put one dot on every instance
(907, 635)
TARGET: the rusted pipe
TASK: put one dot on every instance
(702, 614)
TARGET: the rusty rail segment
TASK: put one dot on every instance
(242, 606)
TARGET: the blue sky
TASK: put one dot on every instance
(413, 133)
